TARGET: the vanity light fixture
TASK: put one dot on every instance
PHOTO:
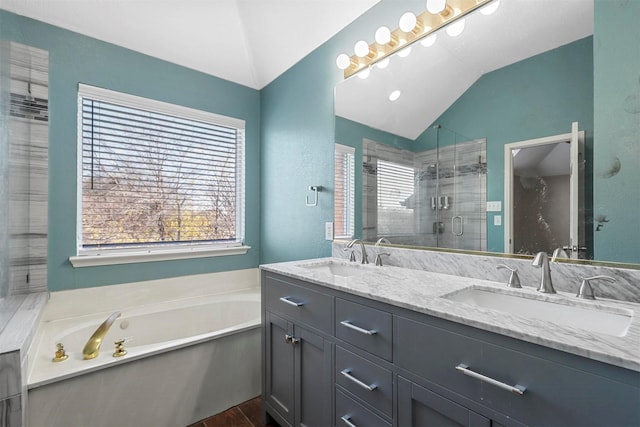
(489, 9)
(382, 64)
(456, 28)
(393, 96)
(404, 52)
(364, 73)
(412, 28)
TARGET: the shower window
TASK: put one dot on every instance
(395, 195)
(344, 191)
(157, 176)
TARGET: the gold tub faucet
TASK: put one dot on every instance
(92, 347)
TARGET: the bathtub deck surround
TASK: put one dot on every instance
(191, 343)
(15, 339)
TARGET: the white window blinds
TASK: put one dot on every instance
(157, 174)
(344, 191)
(395, 189)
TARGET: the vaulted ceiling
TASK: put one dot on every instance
(250, 42)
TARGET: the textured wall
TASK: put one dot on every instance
(616, 155)
(77, 59)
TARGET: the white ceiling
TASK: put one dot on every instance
(250, 42)
(433, 78)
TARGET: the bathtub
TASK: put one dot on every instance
(187, 358)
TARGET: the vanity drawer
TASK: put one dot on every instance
(365, 379)
(492, 375)
(299, 303)
(365, 327)
(350, 413)
(433, 353)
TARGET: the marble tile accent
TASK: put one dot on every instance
(11, 412)
(566, 276)
(10, 378)
(422, 291)
(28, 167)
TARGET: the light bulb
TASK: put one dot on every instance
(393, 96)
(456, 28)
(490, 8)
(383, 35)
(383, 63)
(343, 61)
(404, 52)
(364, 73)
(361, 49)
(436, 6)
(429, 40)
(408, 22)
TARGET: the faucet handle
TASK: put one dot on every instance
(379, 257)
(514, 280)
(586, 290)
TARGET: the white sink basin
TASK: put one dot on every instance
(335, 268)
(613, 322)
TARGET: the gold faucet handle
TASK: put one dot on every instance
(120, 350)
(61, 354)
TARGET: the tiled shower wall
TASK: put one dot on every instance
(28, 169)
(461, 169)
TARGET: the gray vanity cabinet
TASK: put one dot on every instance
(332, 358)
(298, 361)
(418, 406)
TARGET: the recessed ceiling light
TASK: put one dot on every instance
(393, 96)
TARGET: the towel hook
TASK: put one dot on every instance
(315, 189)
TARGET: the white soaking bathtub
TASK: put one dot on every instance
(187, 358)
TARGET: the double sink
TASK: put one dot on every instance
(593, 317)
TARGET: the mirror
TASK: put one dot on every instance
(501, 81)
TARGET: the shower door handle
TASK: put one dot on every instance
(453, 225)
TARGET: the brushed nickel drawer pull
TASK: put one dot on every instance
(347, 373)
(356, 328)
(346, 419)
(293, 303)
(517, 389)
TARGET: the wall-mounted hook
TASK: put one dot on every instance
(316, 189)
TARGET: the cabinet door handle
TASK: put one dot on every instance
(293, 303)
(290, 339)
(357, 328)
(345, 419)
(347, 374)
(517, 389)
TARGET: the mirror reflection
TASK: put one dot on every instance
(500, 82)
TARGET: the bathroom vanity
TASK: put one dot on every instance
(356, 345)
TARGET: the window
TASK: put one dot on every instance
(395, 185)
(157, 177)
(344, 191)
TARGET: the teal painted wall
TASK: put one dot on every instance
(537, 97)
(616, 186)
(297, 142)
(74, 58)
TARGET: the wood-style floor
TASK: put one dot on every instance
(247, 414)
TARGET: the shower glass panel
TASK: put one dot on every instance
(452, 187)
(434, 197)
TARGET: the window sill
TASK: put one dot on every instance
(130, 257)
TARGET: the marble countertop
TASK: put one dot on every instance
(422, 291)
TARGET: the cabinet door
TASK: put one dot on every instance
(313, 370)
(418, 407)
(279, 369)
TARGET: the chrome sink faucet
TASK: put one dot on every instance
(364, 259)
(541, 260)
